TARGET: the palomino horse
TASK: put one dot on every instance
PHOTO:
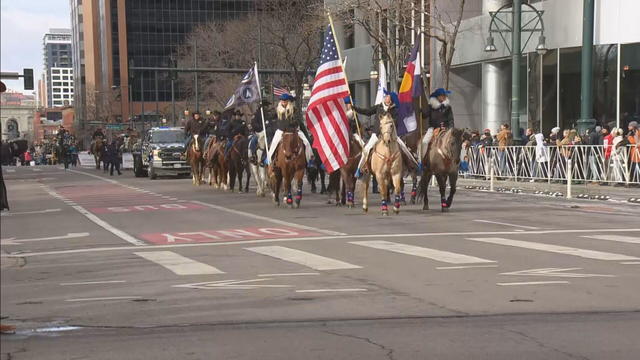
(290, 163)
(195, 154)
(217, 164)
(239, 162)
(443, 161)
(258, 169)
(97, 149)
(385, 162)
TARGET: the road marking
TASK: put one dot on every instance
(14, 241)
(619, 238)
(630, 263)
(10, 170)
(45, 211)
(107, 298)
(288, 274)
(532, 283)
(465, 267)
(179, 264)
(103, 224)
(34, 169)
(313, 261)
(264, 218)
(507, 224)
(329, 290)
(555, 272)
(589, 254)
(437, 255)
(93, 282)
(306, 238)
(232, 285)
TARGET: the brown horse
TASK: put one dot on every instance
(217, 164)
(385, 162)
(290, 163)
(343, 182)
(443, 161)
(413, 140)
(239, 162)
(195, 156)
(97, 149)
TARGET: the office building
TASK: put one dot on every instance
(58, 71)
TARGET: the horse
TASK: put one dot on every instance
(196, 160)
(290, 163)
(385, 162)
(239, 162)
(442, 160)
(315, 171)
(413, 140)
(343, 181)
(97, 149)
(217, 164)
(258, 169)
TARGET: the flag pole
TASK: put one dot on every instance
(264, 126)
(343, 70)
(420, 103)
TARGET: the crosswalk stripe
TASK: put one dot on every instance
(438, 255)
(313, 261)
(619, 238)
(179, 264)
(589, 254)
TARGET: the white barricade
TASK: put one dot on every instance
(86, 159)
(127, 161)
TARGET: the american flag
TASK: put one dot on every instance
(326, 112)
(278, 90)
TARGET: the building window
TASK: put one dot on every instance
(65, 78)
(570, 62)
(57, 96)
(629, 84)
(57, 83)
(65, 71)
(605, 67)
(55, 71)
(55, 77)
(549, 91)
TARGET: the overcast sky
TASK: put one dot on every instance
(23, 23)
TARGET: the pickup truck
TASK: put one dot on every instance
(161, 151)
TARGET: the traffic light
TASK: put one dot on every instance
(27, 75)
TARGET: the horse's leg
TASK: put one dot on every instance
(277, 185)
(248, 172)
(398, 185)
(442, 184)
(240, 175)
(299, 177)
(383, 184)
(402, 198)
(426, 179)
(323, 188)
(288, 178)
(453, 179)
(414, 187)
(365, 193)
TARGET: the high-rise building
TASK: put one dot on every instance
(111, 35)
(58, 71)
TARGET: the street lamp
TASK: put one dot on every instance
(208, 112)
(186, 112)
(373, 74)
(501, 27)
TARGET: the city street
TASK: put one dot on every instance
(105, 267)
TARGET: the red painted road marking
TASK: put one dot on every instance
(225, 235)
(146, 207)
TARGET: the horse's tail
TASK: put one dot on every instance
(422, 187)
(334, 182)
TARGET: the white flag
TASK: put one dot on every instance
(382, 83)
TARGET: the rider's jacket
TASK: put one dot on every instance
(377, 110)
(438, 113)
(200, 127)
(237, 127)
(96, 134)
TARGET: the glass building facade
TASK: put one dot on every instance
(155, 30)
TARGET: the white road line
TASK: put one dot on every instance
(533, 283)
(179, 264)
(288, 274)
(313, 261)
(565, 250)
(630, 263)
(68, 236)
(329, 290)
(465, 267)
(107, 298)
(619, 238)
(507, 224)
(10, 170)
(307, 238)
(45, 211)
(34, 169)
(264, 218)
(433, 254)
(93, 282)
(103, 224)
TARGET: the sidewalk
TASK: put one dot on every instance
(619, 193)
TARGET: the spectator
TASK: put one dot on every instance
(530, 137)
(486, 139)
(505, 138)
(633, 138)
(542, 157)
(617, 155)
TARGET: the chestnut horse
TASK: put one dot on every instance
(443, 161)
(385, 162)
(217, 164)
(343, 181)
(239, 162)
(195, 155)
(289, 164)
(97, 149)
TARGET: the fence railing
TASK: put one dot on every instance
(576, 163)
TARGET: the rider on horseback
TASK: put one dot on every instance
(439, 115)
(287, 122)
(256, 128)
(237, 126)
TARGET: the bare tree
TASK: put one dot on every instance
(390, 25)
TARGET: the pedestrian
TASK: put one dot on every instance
(505, 139)
(633, 138)
(4, 202)
(607, 143)
(542, 158)
(113, 158)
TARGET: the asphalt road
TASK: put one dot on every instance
(99, 267)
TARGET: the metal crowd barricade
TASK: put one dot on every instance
(589, 163)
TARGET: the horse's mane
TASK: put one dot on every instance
(449, 144)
